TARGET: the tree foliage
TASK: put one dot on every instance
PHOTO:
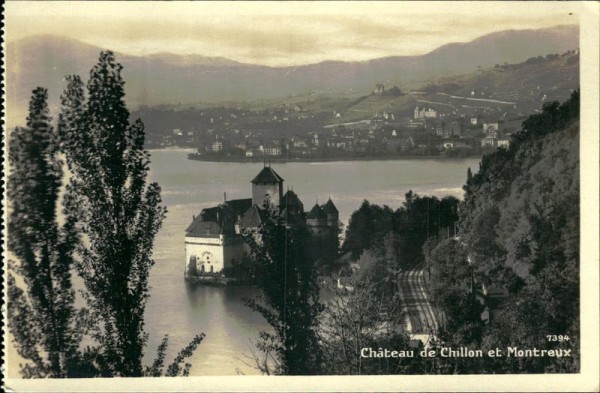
(366, 227)
(520, 231)
(363, 318)
(42, 316)
(118, 215)
(451, 290)
(420, 218)
(405, 230)
(105, 233)
(177, 367)
(289, 299)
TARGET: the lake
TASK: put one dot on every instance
(189, 186)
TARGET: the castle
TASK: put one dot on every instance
(213, 241)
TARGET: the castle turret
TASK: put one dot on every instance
(323, 244)
(332, 213)
(316, 219)
(267, 185)
(292, 209)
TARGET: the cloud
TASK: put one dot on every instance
(275, 34)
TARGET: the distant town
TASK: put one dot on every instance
(427, 133)
(458, 117)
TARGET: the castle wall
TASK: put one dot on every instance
(332, 220)
(216, 252)
(260, 190)
(233, 251)
(208, 252)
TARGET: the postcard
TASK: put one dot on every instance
(300, 196)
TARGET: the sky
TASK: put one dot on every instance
(276, 33)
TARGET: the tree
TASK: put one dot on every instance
(290, 297)
(363, 318)
(42, 317)
(119, 214)
(469, 178)
(367, 227)
(177, 368)
(520, 235)
(417, 220)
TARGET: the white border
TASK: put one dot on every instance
(586, 380)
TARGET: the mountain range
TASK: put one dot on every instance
(184, 80)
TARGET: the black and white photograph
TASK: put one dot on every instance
(217, 196)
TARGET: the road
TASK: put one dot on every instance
(416, 301)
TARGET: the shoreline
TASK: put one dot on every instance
(281, 160)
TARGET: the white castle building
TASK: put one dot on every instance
(213, 241)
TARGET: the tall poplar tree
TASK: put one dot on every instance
(289, 299)
(119, 214)
(41, 313)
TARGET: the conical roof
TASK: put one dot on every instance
(316, 213)
(267, 175)
(253, 218)
(291, 199)
(240, 206)
(329, 207)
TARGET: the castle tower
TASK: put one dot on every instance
(267, 185)
(322, 245)
(292, 209)
(332, 213)
(316, 219)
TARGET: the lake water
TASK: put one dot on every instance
(189, 186)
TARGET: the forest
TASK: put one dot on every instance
(503, 263)
(518, 233)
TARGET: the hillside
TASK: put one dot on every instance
(520, 239)
(527, 84)
(516, 89)
(372, 104)
(190, 80)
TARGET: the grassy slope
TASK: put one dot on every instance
(525, 85)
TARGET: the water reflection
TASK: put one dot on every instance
(235, 304)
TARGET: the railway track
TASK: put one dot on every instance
(416, 301)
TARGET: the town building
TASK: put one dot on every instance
(490, 128)
(214, 240)
(488, 141)
(424, 113)
(217, 146)
(379, 89)
(503, 142)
